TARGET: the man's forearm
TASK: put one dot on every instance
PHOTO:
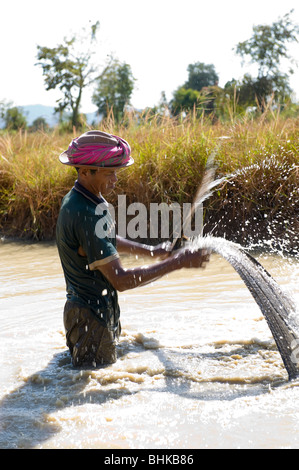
(123, 279)
(140, 276)
(130, 247)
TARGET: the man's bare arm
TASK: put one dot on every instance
(130, 247)
(124, 279)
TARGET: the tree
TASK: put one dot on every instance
(114, 89)
(201, 75)
(70, 69)
(266, 48)
(198, 91)
(184, 100)
(39, 124)
(12, 116)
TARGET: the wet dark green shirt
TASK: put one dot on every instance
(84, 220)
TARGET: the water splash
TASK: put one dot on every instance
(278, 308)
(261, 206)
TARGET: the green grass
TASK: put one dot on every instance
(170, 156)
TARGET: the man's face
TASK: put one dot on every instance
(104, 179)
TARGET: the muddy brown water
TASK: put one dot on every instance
(197, 367)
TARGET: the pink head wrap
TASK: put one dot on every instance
(98, 149)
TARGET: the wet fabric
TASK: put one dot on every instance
(89, 342)
(76, 226)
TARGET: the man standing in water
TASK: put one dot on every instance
(90, 261)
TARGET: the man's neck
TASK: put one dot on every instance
(81, 188)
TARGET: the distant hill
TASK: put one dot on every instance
(34, 111)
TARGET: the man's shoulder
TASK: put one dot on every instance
(74, 201)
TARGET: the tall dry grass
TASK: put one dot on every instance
(31, 183)
(170, 156)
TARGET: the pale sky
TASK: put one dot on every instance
(159, 39)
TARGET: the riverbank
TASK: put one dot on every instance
(258, 202)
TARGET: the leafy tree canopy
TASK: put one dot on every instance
(268, 45)
(39, 124)
(12, 116)
(68, 67)
(197, 92)
(201, 75)
(114, 89)
(184, 100)
(267, 48)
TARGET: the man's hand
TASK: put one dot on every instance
(162, 251)
(193, 259)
